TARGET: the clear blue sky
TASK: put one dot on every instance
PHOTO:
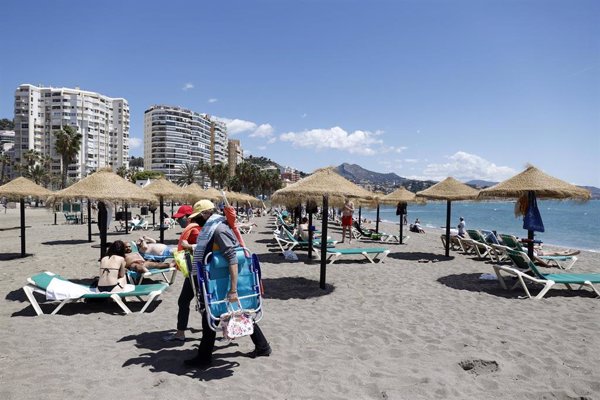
(426, 89)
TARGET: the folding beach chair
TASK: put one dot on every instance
(214, 279)
(526, 270)
(62, 291)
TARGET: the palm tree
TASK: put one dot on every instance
(221, 173)
(68, 143)
(187, 174)
(5, 161)
(203, 167)
(122, 171)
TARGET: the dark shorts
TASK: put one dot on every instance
(347, 220)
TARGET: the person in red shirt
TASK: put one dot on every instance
(187, 242)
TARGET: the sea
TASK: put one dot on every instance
(567, 223)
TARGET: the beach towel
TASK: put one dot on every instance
(532, 220)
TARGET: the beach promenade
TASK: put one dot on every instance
(404, 329)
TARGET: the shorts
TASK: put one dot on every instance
(347, 220)
(168, 252)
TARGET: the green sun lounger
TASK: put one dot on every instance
(524, 265)
(71, 292)
(379, 254)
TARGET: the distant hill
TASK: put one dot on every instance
(594, 190)
(479, 184)
(379, 181)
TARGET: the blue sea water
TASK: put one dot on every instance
(567, 223)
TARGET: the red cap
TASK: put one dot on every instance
(183, 211)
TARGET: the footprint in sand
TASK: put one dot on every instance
(479, 367)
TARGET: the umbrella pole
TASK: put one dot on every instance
(530, 237)
(89, 209)
(324, 221)
(102, 226)
(400, 237)
(359, 215)
(310, 236)
(448, 212)
(22, 227)
(161, 220)
(126, 220)
(377, 224)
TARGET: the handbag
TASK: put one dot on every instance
(236, 323)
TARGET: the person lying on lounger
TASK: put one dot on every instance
(148, 245)
(135, 262)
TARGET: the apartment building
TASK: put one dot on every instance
(102, 121)
(235, 155)
(174, 136)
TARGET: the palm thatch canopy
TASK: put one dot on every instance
(400, 195)
(163, 188)
(242, 197)
(534, 180)
(324, 181)
(449, 189)
(213, 194)
(104, 185)
(194, 192)
(22, 187)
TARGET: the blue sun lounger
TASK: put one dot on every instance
(63, 291)
(379, 254)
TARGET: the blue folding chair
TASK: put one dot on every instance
(214, 279)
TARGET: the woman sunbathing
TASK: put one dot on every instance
(112, 269)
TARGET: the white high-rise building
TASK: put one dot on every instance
(174, 136)
(102, 121)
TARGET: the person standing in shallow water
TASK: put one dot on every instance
(347, 213)
(224, 240)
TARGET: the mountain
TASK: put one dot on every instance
(594, 190)
(379, 181)
(479, 184)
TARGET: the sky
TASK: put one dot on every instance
(474, 89)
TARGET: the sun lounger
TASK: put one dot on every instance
(562, 261)
(167, 274)
(359, 233)
(63, 291)
(287, 241)
(379, 254)
(524, 265)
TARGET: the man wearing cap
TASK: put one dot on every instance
(182, 215)
(217, 233)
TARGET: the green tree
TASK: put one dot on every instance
(5, 161)
(187, 174)
(140, 175)
(122, 171)
(6, 124)
(68, 143)
(136, 162)
(222, 174)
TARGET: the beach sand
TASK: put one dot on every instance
(399, 330)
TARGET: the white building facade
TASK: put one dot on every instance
(174, 136)
(102, 121)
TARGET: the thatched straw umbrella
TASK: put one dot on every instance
(450, 190)
(529, 185)
(194, 192)
(18, 189)
(165, 189)
(323, 186)
(400, 197)
(103, 185)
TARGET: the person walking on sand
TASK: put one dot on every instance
(217, 235)
(187, 242)
(347, 213)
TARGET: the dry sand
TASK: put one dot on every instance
(397, 330)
